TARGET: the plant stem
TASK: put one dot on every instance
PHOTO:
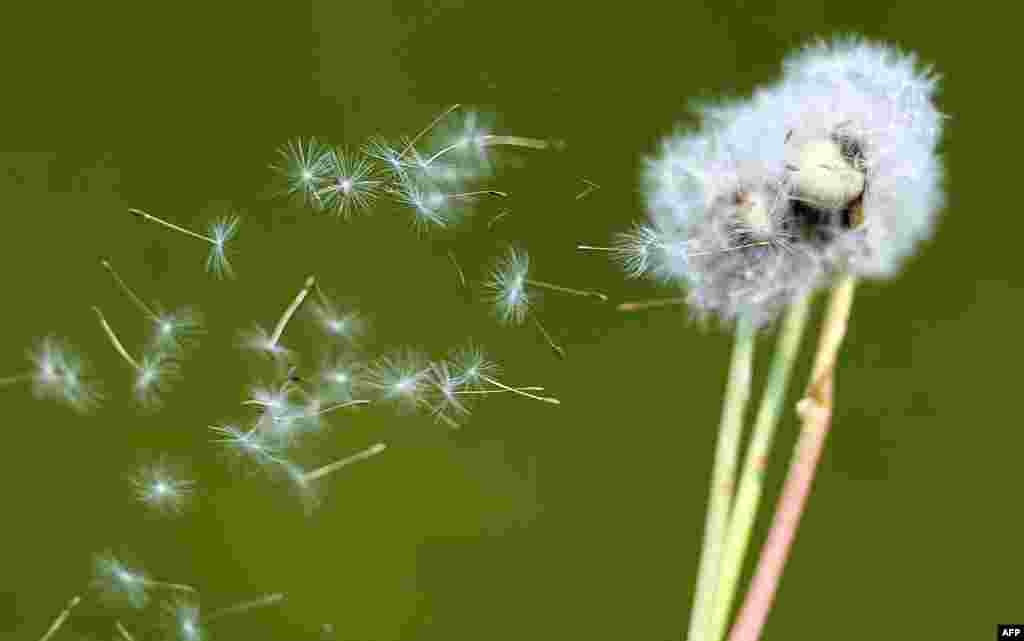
(815, 411)
(531, 388)
(748, 494)
(61, 618)
(115, 341)
(290, 311)
(188, 232)
(737, 392)
(123, 632)
(337, 465)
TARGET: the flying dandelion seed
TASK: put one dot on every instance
(304, 481)
(344, 324)
(182, 620)
(121, 585)
(307, 166)
(221, 232)
(173, 332)
(60, 374)
(350, 186)
(245, 606)
(508, 289)
(250, 445)
(160, 487)
(269, 344)
(476, 372)
(154, 372)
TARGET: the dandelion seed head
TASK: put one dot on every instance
(344, 324)
(445, 402)
(340, 377)
(507, 287)
(472, 367)
(249, 445)
(260, 340)
(430, 206)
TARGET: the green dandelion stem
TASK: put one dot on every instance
(519, 390)
(245, 606)
(815, 411)
(115, 341)
(290, 311)
(723, 474)
(748, 494)
(320, 472)
(188, 232)
(61, 618)
(129, 292)
(566, 290)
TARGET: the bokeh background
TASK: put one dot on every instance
(533, 522)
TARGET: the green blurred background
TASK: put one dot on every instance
(533, 522)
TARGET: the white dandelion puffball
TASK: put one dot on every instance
(832, 169)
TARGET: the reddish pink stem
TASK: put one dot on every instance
(765, 583)
(816, 414)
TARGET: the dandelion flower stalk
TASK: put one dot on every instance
(61, 618)
(737, 392)
(748, 493)
(330, 468)
(815, 411)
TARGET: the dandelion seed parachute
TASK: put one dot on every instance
(62, 375)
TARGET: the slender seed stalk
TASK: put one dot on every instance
(115, 341)
(18, 378)
(320, 472)
(440, 415)
(290, 311)
(176, 587)
(565, 290)
(143, 307)
(123, 632)
(531, 388)
(482, 192)
(748, 494)
(635, 306)
(492, 141)
(61, 618)
(519, 390)
(427, 129)
(815, 411)
(245, 606)
(737, 392)
(338, 406)
(161, 221)
(551, 341)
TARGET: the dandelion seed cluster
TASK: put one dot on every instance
(292, 401)
(832, 169)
